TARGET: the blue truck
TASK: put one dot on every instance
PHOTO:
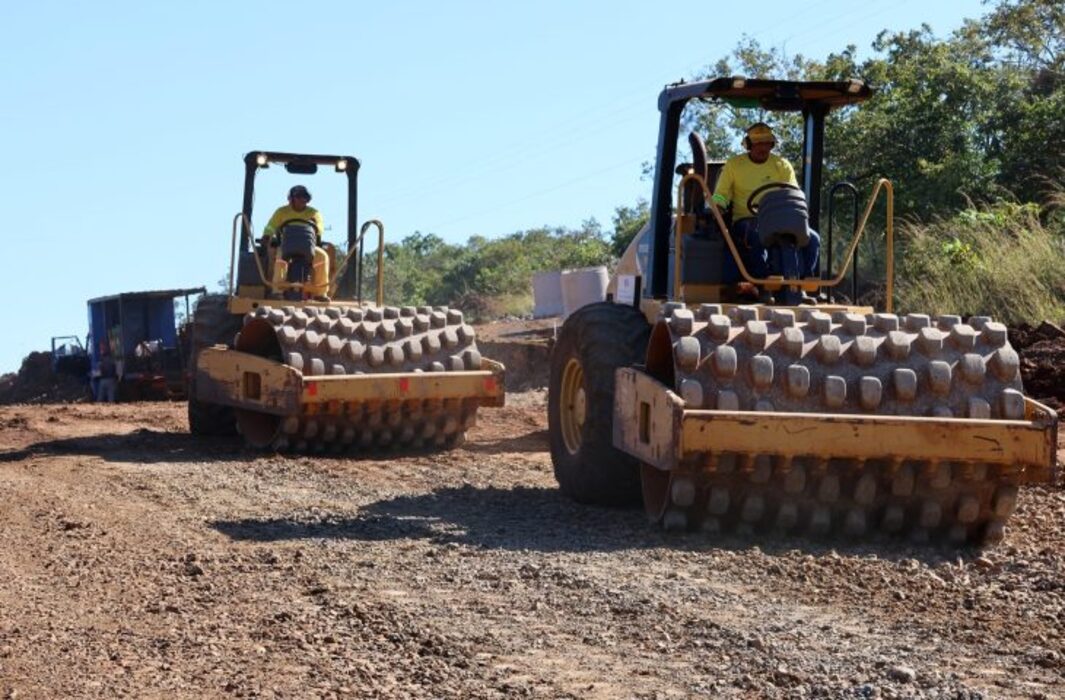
(145, 336)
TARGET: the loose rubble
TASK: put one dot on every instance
(135, 560)
(35, 382)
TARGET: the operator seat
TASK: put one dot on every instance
(784, 230)
(301, 260)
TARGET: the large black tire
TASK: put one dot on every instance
(212, 325)
(594, 342)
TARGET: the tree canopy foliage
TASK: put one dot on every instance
(971, 117)
(958, 124)
(485, 277)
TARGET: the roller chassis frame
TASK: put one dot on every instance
(284, 405)
(227, 376)
(652, 424)
(246, 381)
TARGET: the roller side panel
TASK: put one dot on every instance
(213, 323)
(241, 380)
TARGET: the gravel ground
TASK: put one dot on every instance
(137, 561)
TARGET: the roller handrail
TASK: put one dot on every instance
(380, 261)
(272, 286)
(814, 282)
(885, 184)
(240, 217)
(850, 189)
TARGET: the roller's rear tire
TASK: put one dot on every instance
(594, 342)
(212, 325)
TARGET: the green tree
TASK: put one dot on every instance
(486, 277)
(721, 125)
(971, 116)
(1027, 43)
(957, 123)
(627, 223)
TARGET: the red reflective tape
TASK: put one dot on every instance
(404, 385)
(490, 384)
(312, 388)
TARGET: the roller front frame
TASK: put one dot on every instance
(250, 382)
(652, 424)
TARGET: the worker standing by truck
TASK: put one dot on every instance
(108, 381)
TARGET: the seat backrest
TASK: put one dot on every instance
(297, 241)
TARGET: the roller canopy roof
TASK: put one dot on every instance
(773, 95)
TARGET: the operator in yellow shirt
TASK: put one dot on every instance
(742, 175)
(297, 209)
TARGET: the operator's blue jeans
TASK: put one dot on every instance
(788, 261)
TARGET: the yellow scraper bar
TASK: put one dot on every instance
(651, 424)
(248, 381)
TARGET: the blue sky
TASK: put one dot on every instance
(124, 123)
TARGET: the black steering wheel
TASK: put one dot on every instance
(752, 206)
(308, 222)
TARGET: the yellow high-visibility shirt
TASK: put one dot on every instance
(287, 213)
(741, 176)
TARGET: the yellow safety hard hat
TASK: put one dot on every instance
(759, 133)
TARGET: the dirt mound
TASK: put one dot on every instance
(35, 382)
(524, 347)
(1042, 351)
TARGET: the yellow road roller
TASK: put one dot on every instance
(755, 404)
(293, 357)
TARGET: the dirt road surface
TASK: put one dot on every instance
(137, 561)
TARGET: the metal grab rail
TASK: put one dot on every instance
(850, 189)
(233, 251)
(885, 184)
(271, 285)
(334, 277)
(356, 245)
(814, 283)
